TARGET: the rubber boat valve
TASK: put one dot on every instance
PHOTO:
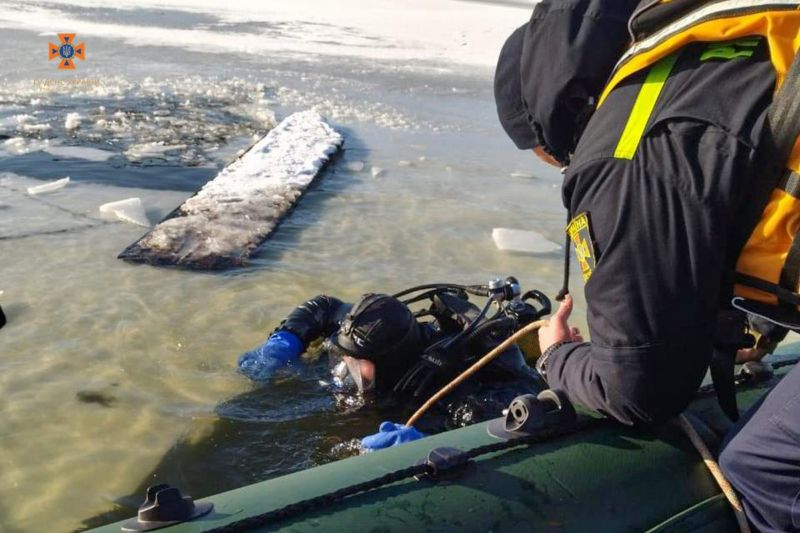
(443, 463)
(529, 414)
(165, 506)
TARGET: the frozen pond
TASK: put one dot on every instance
(105, 366)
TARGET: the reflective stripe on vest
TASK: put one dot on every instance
(643, 107)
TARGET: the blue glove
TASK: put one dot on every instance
(391, 434)
(281, 348)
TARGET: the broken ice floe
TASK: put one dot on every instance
(49, 187)
(72, 121)
(79, 152)
(195, 116)
(231, 215)
(129, 210)
(517, 240)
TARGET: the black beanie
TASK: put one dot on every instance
(508, 93)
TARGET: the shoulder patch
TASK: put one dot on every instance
(579, 230)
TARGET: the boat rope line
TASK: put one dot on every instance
(427, 469)
(713, 468)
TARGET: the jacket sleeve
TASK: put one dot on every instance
(661, 226)
(315, 318)
(569, 50)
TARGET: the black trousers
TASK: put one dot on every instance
(761, 458)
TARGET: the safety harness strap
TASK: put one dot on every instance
(790, 184)
(784, 113)
(785, 123)
(784, 295)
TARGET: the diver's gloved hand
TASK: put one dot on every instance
(260, 363)
(390, 434)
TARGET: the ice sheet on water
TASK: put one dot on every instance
(73, 208)
(79, 152)
(231, 215)
(25, 214)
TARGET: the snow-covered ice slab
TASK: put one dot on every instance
(230, 216)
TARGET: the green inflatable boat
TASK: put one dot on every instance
(592, 475)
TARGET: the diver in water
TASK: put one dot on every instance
(382, 350)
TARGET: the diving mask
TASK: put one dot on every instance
(349, 373)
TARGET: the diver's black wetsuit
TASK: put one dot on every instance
(483, 397)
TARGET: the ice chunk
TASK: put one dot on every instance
(224, 223)
(22, 145)
(517, 240)
(129, 210)
(48, 187)
(522, 174)
(79, 152)
(151, 150)
(354, 166)
(72, 121)
(33, 128)
(377, 171)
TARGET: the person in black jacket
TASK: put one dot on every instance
(379, 348)
(654, 222)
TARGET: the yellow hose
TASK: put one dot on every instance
(713, 467)
(480, 363)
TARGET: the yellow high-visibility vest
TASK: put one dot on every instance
(777, 21)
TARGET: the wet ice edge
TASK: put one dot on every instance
(231, 215)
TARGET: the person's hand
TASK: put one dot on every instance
(557, 329)
(261, 363)
(750, 354)
(391, 434)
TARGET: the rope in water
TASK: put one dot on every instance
(480, 363)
